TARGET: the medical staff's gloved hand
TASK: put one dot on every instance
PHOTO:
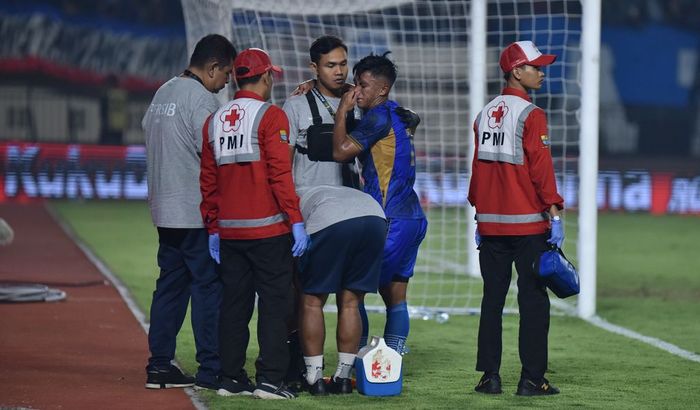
(301, 239)
(557, 236)
(477, 237)
(214, 247)
(408, 117)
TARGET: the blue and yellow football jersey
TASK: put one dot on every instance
(388, 161)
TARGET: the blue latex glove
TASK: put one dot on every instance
(557, 236)
(301, 239)
(477, 237)
(214, 247)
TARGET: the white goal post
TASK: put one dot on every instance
(447, 55)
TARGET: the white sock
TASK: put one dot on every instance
(346, 361)
(314, 368)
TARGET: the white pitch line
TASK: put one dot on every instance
(121, 288)
(599, 322)
(652, 341)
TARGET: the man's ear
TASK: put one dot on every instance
(385, 89)
(517, 73)
(314, 68)
(212, 67)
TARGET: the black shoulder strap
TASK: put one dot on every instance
(314, 108)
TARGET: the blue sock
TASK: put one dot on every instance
(396, 328)
(365, 326)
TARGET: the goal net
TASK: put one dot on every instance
(429, 42)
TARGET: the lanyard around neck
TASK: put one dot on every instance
(324, 101)
(188, 73)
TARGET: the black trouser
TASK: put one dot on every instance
(496, 256)
(262, 266)
(185, 268)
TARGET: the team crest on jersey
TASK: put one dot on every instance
(545, 139)
(283, 136)
(231, 118)
(496, 114)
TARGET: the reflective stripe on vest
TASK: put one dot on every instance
(512, 219)
(252, 223)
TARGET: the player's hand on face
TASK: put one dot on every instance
(304, 87)
(347, 102)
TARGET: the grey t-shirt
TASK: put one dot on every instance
(325, 205)
(309, 173)
(173, 128)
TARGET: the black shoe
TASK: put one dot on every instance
(270, 391)
(202, 385)
(296, 387)
(529, 388)
(490, 383)
(240, 386)
(340, 385)
(169, 378)
(318, 388)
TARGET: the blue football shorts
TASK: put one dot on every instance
(344, 256)
(403, 238)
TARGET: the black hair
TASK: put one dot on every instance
(506, 76)
(249, 80)
(213, 47)
(324, 45)
(378, 66)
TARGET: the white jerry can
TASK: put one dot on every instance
(378, 369)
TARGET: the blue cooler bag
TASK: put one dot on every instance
(557, 273)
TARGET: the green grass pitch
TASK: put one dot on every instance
(648, 281)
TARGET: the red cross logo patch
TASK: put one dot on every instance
(496, 114)
(231, 118)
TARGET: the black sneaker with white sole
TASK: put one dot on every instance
(270, 391)
(203, 385)
(240, 386)
(169, 378)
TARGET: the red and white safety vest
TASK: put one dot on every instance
(246, 176)
(512, 184)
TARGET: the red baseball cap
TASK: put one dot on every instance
(253, 61)
(521, 53)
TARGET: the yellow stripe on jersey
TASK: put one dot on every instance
(383, 154)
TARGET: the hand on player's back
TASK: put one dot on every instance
(304, 87)
(408, 117)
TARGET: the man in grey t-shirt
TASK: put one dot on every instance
(173, 129)
(347, 229)
(329, 63)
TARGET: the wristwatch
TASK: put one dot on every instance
(556, 218)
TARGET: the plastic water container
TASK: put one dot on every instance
(378, 369)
